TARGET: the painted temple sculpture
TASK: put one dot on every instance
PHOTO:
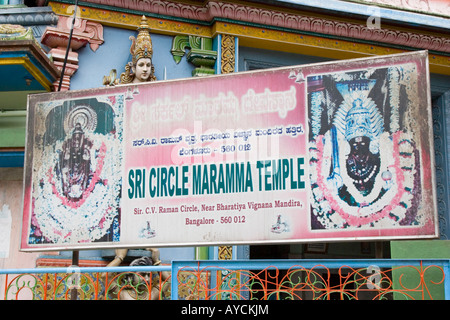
(134, 286)
(140, 68)
(365, 166)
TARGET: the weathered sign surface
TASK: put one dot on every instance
(322, 152)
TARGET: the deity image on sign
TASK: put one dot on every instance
(365, 166)
(140, 68)
(76, 192)
(74, 164)
(147, 232)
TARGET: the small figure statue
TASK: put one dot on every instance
(135, 286)
(141, 68)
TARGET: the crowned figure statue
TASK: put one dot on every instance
(140, 68)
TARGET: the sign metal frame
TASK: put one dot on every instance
(342, 151)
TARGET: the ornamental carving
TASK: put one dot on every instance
(84, 32)
(228, 56)
(15, 32)
(330, 27)
(201, 53)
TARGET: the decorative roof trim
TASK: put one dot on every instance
(213, 11)
(28, 16)
(34, 60)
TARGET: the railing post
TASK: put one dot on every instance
(75, 262)
(446, 267)
(174, 282)
(6, 286)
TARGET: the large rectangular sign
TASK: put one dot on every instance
(322, 152)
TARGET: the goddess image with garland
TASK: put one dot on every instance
(77, 165)
(364, 162)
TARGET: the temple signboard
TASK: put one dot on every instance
(335, 151)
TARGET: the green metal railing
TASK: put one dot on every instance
(334, 279)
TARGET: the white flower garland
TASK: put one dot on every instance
(61, 223)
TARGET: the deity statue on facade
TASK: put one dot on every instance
(140, 68)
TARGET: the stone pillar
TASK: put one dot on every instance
(227, 54)
(227, 65)
(57, 38)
